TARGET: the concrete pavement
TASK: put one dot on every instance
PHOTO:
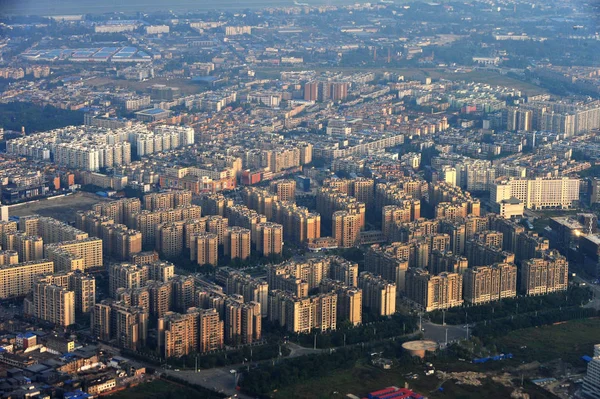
(437, 332)
(218, 379)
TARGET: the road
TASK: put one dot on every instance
(223, 380)
(594, 303)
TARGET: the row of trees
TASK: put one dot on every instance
(574, 296)
(381, 329)
(214, 359)
(36, 118)
(269, 377)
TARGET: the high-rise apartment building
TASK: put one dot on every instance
(215, 204)
(170, 239)
(237, 243)
(311, 91)
(184, 293)
(29, 248)
(210, 330)
(269, 238)
(144, 258)
(385, 264)
(52, 303)
(121, 211)
(84, 286)
(120, 241)
(242, 321)
(204, 248)
(591, 381)
(490, 283)
(161, 297)
(100, 321)
(544, 275)
(167, 200)
(147, 222)
(349, 300)
(90, 249)
(303, 315)
(126, 275)
(434, 292)
(379, 295)
(217, 225)
(129, 325)
(17, 279)
(177, 334)
(345, 228)
(285, 190)
(538, 193)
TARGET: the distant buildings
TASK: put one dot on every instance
(537, 193)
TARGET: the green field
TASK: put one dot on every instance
(568, 341)
(159, 389)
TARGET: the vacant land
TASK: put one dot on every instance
(159, 389)
(364, 378)
(568, 341)
(61, 208)
(185, 85)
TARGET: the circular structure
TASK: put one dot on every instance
(418, 348)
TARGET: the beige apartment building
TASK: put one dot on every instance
(17, 280)
(170, 239)
(484, 284)
(167, 200)
(204, 248)
(349, 300)
(251, 289)
(285, 189)
(29, 248)
(237, 243)
(269, 238)
(177, 334)
(242, 321)
(379, 295)
(345, 228)
(431, 292)
(549, 273)
(52, 303)
(90, 249)
(215, 204)
(210, 330)
(303, 315)
(121, 211)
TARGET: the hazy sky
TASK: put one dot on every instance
(54, 7)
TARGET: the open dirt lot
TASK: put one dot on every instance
(61, 208)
